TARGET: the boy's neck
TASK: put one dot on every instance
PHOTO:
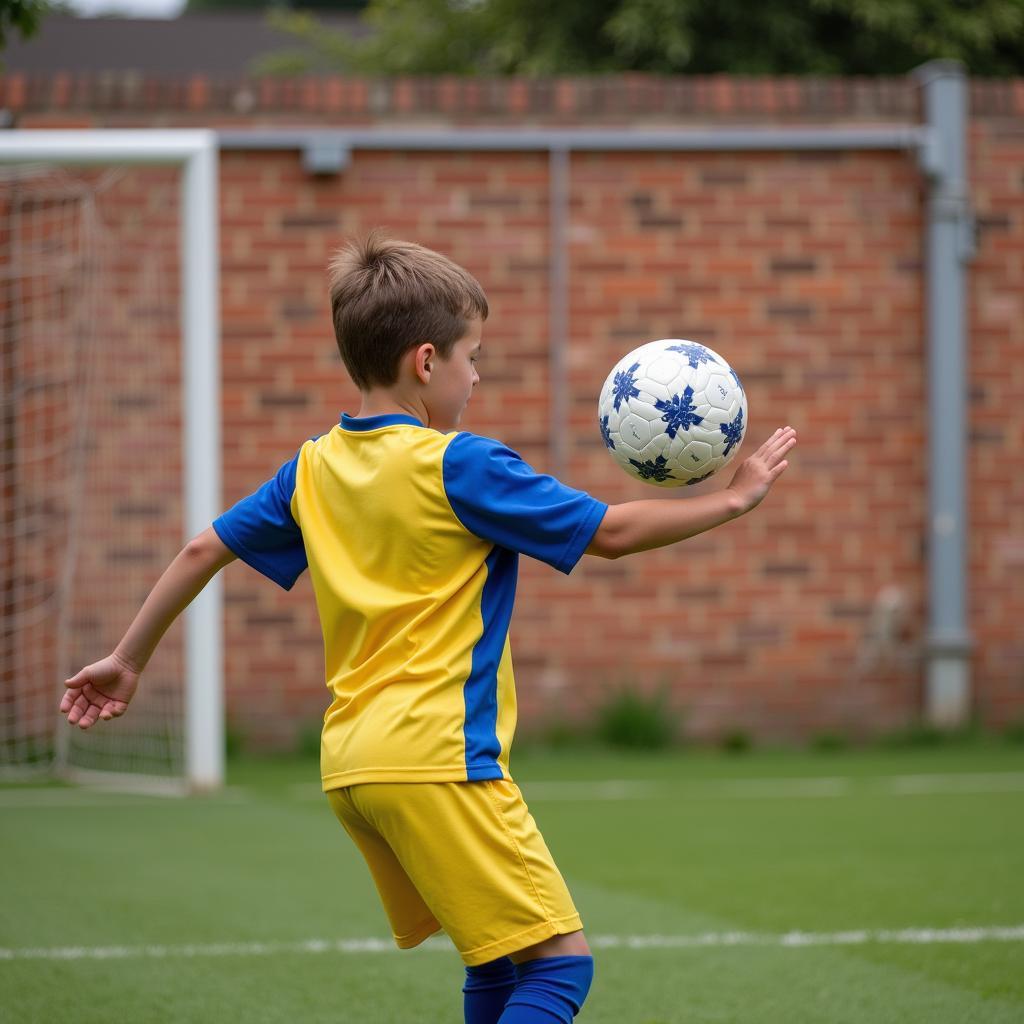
(381, 402)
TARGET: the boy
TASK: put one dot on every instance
(411, 531)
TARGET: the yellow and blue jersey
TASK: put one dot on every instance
(412, 539)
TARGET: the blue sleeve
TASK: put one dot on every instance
(260, 529)
(500, 498)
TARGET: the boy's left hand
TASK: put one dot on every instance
(757, 473)
(100, 690)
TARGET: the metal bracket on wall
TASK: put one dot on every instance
(326, 154)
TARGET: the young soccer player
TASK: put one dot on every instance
(411, 531)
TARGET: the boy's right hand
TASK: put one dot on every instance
(100, 690)
(756, 474)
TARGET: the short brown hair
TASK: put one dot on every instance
(388, 296)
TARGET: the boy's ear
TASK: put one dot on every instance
(423, 361)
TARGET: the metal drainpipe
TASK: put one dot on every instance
(558, 305)
(950, 245)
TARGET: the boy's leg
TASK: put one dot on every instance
(474, 855)
(573, 944)
(552, 980)
(487, 989)
(489, 986)
(548, 980)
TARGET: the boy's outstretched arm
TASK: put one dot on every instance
(642, 525)
(104, 688)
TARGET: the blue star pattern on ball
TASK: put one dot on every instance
(733, 432)
(696, 354)
(678, 412)
(736, 378)
(698, 479)
(606, 433)
(652, 470)
(624, 386)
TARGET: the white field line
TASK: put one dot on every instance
(785, 940)
(778, 789)
(59, 796)
(639, 789)
(972, 782)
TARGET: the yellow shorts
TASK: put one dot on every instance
(463, 856)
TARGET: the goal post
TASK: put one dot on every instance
(194, 152)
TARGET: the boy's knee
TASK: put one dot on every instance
(556, 986)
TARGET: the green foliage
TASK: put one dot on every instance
(557, 732)
(234, 742)
(1015, 732)
(637, 721)
(736, 741)
(923, 735)
(28, 752)
(332, 6)
(537, 37)
(435, 45)
(23, 15)
(307, 742)
(828, 742)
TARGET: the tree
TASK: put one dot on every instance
(543, 37)
(23, 15)
(327, 6)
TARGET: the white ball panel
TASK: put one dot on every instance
(644, 409)
(635, 431)
(664, 369)
(719, 391)
(696, 455)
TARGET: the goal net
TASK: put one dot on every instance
(95, 480)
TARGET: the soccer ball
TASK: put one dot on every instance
(672, 412)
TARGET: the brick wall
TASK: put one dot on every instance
(996, 290)
(804, 270)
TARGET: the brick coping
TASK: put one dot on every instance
(636, 100)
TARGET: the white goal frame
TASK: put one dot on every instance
(196, 151)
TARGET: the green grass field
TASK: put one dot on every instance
(689, 870)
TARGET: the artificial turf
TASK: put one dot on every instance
(149, 909)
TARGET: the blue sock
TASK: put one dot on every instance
(549, 989)
(487, 988)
